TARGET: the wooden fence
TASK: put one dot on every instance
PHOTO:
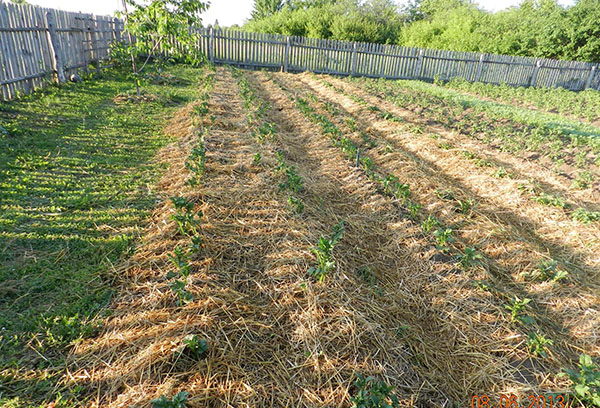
(297, 54)
(37, 44)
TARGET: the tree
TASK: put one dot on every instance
(162, 25)
(266, 8)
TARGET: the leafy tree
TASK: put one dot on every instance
(265, 8)
(161, 27)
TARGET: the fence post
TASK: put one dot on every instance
(590, 78)
(287, 54)
(116, 30)
(211, 47)
(418, 66)
(55, 54)
(353, 64)
(91, 25)
(479, 68)
(534, 76)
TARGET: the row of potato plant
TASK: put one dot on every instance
(583, 105)
(264, 130)
(497, 125)
(536, 193)
(517, 308)
(586, 381)
(188, 222)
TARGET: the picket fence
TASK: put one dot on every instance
(39, 44)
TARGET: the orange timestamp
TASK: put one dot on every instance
(511, 401)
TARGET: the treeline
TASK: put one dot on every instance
(536, 28)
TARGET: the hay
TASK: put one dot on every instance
(276, 338)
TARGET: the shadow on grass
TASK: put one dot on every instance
(76, 172)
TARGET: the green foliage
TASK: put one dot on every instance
(430, 223)
(256, 159)
(296, 204)
(188, 222)
(178, 401)
(538, 344)
(517, 308)
(196, 164)
(324, 253)
(586, 381)
(548, 270)
(585, 216)
(265, 8)
(469, 258)
(372, 393)
(165, 22)
(77, 172)
(195, 346)
(443, 237)
(370, 21)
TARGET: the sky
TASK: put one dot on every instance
(227, 12)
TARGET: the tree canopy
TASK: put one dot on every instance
(537, 28)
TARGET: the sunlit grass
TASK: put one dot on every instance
(76, 175)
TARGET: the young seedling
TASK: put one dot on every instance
(443, 237)
(195, 347)
(180, 260)
(188, 222)
(548, 270)
(516, 309)
(195, 244)
(372, 393)
(324, 252)
(538, 344)
(429, 224)
(183, 296)
(586, 381)
(296, 204)
(256, 159)
(178, 401)
(413, 210)
(469, 258)
(585, 216)
(196, 164)
(465, 206)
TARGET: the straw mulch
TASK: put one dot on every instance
(275, 338)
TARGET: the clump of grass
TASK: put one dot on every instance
(324, 253)
(373, 393)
